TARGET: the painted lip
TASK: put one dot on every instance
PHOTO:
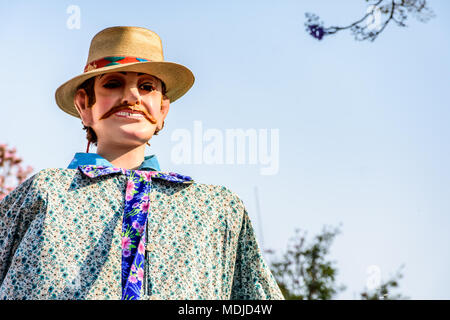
(130, 111)
(146, 115)
(129, 117)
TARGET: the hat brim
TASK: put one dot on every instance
(177, 78)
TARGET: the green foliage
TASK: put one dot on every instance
(305, 273)
(384, 290)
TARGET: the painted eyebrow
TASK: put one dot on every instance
(123, 72)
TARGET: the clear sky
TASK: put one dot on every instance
(363, 130)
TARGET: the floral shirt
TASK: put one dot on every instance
(93, 231)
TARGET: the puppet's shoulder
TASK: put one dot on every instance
(52, 177)
(216, 193)
(207, 193)
(44, 181)
(34, 187)
(216, 198)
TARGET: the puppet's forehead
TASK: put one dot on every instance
(139, 74)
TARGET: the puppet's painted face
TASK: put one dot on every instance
(128, 108)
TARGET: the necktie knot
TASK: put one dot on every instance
(94, 171)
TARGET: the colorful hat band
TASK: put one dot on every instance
(111, 61)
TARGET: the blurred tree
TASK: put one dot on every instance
(11, 172)
(304, 273)
(378, 15)
(384, 290)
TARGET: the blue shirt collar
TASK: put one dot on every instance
(83, 158)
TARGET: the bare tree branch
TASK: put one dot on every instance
(378, 16)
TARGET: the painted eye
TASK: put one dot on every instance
(147, 87)
(112, 84)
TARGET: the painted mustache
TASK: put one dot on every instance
(142, 111)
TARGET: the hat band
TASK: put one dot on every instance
(111, 61)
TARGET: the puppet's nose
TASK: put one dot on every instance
(131, 97)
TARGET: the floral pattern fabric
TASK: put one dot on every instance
(63, 235)
(137, 209)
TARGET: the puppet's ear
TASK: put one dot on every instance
(165, 106)
(81, 101)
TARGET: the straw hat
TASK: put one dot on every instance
(127, 49)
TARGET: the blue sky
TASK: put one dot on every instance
(363, 127)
